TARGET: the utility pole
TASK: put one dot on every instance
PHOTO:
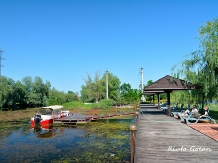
(106, 84)
(1, 51)
(142, 83)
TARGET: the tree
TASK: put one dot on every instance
(71, 96)
(36, 92)
(56, 97)
(95, 89)
(149, 97)
(149, 83)
(182, 97)
(7, 92)
(41, 90)
(92, 91)
(201, 67)
(125, 89)
(113, 86)
(128, 94)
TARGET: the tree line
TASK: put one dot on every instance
(30, 93)
(35, 92)
(95, 89)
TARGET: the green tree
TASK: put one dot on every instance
(134, 95)
(71, 96)
(128, 94)
(56, 97)
(149, 83)
(125, 89)
(7, 92)
(41, 90)
(28, 87)
(92, 91)
(149, 97)
(95, 89)
(182, 97)
(36, 92)
(19, 94)
(25, 93)
(201, 67)
(113, 86)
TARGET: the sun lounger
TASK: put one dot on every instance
(176, 111)
(193, 120)
(182, 115)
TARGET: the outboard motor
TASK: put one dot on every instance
(37, 119)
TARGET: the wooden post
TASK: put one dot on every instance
(158, 99)
(132, 146)
(168, 101)
(153, 99)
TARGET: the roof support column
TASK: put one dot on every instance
(168, 101)
(158, 100)
(153, 100)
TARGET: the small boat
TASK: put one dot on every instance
(47, 115)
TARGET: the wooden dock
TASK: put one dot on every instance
(83, 118)
(161, 138)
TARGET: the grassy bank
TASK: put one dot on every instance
(15, 119)
(16, 116)
(213, 111)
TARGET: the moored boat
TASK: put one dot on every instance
(47, 115)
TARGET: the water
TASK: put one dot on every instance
(106, 141)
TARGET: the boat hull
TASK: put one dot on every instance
(43, 121)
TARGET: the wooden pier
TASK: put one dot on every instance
(161, 138)
(78, 118)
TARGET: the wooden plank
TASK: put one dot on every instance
(163, 138)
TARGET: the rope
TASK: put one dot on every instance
(154, 120)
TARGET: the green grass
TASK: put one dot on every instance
(77, 105)
(213, 111)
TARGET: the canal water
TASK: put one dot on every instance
(105, 141)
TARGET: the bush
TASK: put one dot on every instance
(105, 104)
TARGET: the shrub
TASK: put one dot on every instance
(105, 104)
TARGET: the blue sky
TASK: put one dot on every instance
(63, 40)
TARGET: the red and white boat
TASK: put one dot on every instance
(47, 115)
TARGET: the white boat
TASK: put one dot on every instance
(47, 115)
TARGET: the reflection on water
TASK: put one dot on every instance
(47, 131)
(105, 141)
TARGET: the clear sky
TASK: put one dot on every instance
(63, 40)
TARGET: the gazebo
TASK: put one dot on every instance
(168, 84)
